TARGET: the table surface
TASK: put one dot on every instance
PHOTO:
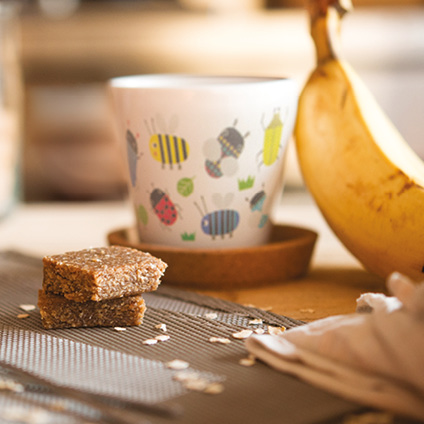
(333, 283)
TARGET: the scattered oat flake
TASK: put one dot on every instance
(27, 308)
(177, 364)
(222, 340)
(149, 341)
(211, 315)
(161, 327)
(22, 316)
(192, 380)
(11, 385)
(249, 305)
(214, 389)
(186, 375)
(259, 331)
(267, 308)
(255, 321)
(162, 338)
(31, 416)
(247, 362)
(198, 384)
(276, 330)
(243, 334)
(307, 310)
(119, 328)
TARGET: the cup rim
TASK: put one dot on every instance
(191, 81)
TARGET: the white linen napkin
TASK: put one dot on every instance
(374, 356)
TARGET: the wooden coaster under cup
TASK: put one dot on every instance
(286, 256)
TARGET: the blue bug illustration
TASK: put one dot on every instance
(272, 139)
(256, 205)
(219, 222)
(133, 155)
(222, 153)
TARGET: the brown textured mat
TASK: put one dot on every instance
(105, 360)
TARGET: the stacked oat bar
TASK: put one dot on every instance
(97, 287)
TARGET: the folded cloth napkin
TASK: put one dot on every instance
(374, 356)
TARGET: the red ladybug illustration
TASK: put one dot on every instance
(164, 209)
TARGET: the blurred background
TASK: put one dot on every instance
(68, 49)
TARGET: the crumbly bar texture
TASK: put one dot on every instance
(58, 312)
(101, 273)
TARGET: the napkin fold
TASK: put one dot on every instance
(374, 356)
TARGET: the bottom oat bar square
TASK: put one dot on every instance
(58, 312)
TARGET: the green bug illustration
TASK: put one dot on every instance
(272, 139)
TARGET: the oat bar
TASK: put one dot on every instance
(58, 312)
(101, 273)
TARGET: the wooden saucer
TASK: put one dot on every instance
(286, 256)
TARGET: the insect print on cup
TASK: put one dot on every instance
(166, 147)
(218, 223)
(272, 139)
(256, 205)
(163, 207)
(222, 152)
(132, 155)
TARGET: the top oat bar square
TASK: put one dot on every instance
(101, 273)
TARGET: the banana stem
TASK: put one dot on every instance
(325, 19)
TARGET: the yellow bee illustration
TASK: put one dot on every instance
(272, 139)
(165, 147)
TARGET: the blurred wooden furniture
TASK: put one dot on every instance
(70, 150)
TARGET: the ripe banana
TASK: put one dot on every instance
(366, 180)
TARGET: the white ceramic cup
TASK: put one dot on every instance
(205, 155)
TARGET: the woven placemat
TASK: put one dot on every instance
(106, 360)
